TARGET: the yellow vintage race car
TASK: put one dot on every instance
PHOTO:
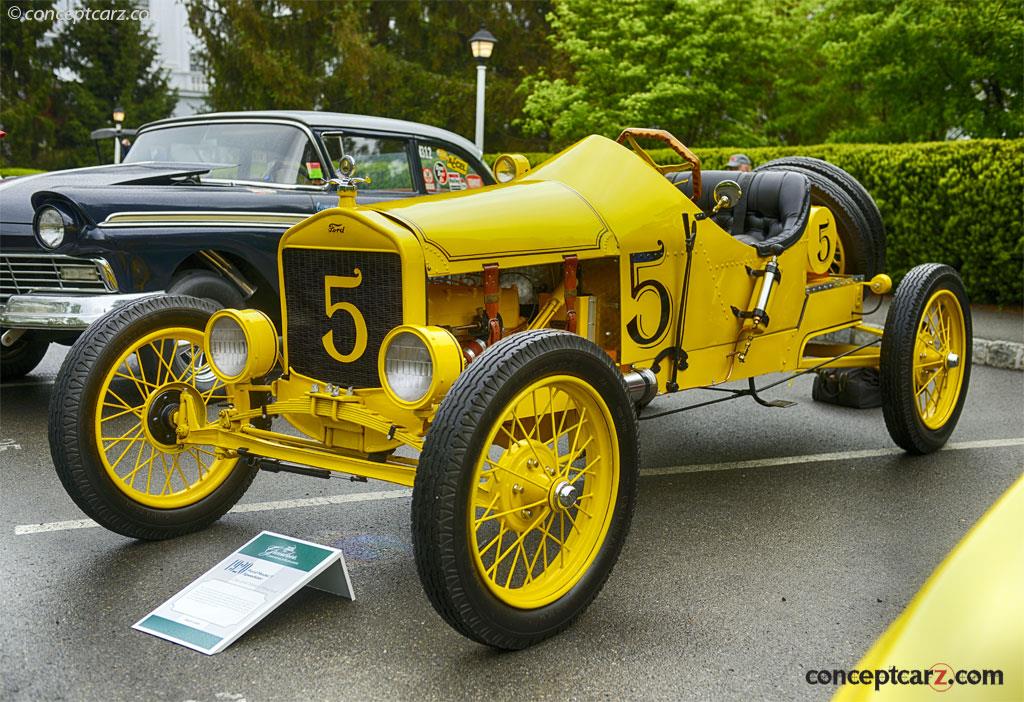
(491, 349)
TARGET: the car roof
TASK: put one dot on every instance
(336, 120)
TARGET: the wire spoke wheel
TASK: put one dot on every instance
(136, 419)
(838, 266)
(925, 359)
(525, 488)
(114, 422)
(547, 481)
(938, 373)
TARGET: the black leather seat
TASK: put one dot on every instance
(772, 212)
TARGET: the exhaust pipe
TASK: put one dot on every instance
(642, 384)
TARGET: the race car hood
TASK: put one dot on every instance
(16, 194)
(580, 202)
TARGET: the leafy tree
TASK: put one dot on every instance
(914, 70)
(111, 63)
(698, 68)
(27, 86)
(788, 71)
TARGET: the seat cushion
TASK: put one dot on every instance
(775, 206)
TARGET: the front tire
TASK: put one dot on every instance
(20, 358)
(111, 424)
(525, 489)
(925, 359)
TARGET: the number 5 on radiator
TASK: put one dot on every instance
(359, 343)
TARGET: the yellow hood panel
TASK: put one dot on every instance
(504, 221)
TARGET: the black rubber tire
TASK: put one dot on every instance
(446, 468)
(208, 285)
(857, 217)
(897, 357)
(71, 416)
(20, 358)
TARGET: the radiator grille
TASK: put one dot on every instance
(25, 273)
(377, 297)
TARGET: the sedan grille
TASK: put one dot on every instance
(32, 273)
(368, 282)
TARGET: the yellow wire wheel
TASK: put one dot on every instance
(113, 428)
(925, 361)
(525, 488)
(135, 421)
(546, 492)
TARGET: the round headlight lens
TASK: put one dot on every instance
(408, 368)
(50, 227)
(229, 349)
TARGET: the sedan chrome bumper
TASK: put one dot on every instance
(60, 311)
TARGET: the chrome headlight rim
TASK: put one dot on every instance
(66, 222)
(446, 362)
(261, 348)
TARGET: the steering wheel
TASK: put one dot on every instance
(692, 163)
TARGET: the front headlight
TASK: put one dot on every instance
(419, 364)
(240, 344)
(51, 227)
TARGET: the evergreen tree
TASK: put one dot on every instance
(28, 86)
(113, 63)
(408, 60)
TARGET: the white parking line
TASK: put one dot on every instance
(822, 457)
(24, 529)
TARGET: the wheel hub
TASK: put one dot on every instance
(565, 495)
(528, 469)
(160, 415)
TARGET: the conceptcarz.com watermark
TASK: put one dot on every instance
(76, 14)
(940, 677)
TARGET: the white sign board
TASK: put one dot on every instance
(228, 600)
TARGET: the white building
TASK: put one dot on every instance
(177, 46)
(168, 20)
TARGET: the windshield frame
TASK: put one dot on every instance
(259, 183)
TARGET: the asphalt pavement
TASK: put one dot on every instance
(765, 542)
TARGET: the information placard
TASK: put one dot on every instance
(226, 601)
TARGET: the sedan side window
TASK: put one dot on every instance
(384, 160)
(444, 169)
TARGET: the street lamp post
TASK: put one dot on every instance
(118, 121)
(482, 45)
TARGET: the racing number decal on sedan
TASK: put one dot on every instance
(639, 288)
(359, 344)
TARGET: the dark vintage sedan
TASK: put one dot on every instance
(196, 208)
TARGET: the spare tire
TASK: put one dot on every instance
(861, 231)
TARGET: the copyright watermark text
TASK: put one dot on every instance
(77, 14)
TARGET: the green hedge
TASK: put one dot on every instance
(955, 202)
(13, 171)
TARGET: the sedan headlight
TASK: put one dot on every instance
(418, 364)
(52, 226)
(240, 344)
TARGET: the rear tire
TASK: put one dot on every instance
(20, 358)
(861, 230)
(111, 431)
(476, 479)
(923, 387)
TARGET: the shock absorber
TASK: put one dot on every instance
(771, 275)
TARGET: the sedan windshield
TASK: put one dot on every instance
(263, 153)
